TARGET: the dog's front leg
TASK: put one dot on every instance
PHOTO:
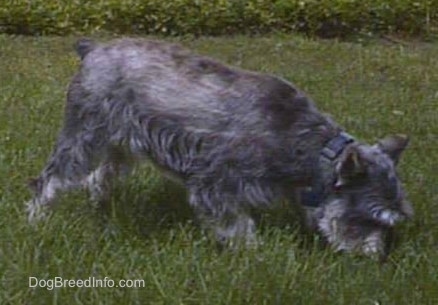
(69, 164)
(230, 225)
(236, 230)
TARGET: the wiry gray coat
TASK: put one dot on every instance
(234, 138)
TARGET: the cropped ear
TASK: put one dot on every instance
(393, 146)
(350, 166)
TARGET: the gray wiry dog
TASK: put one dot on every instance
(235, 139)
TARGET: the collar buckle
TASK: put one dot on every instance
(314, 196)
(336, 145)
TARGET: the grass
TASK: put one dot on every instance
(372, 89)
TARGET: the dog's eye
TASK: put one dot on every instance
(390, 195)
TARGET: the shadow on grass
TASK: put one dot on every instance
(146, 210)
(151, 206)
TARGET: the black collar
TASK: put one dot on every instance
(314, 196)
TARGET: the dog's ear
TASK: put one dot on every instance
(351, 165)
(393, 146)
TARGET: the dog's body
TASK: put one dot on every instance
(235, 139)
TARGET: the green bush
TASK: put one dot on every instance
(217, 17)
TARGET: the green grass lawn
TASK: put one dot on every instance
(372, 89)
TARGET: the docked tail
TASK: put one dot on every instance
(84, 46)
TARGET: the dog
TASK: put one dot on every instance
(236, 140)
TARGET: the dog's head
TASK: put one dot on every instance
(366, 198)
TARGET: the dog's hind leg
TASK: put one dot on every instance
(70, 163)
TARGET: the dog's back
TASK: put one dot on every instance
(196, 91)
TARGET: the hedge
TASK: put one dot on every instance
(217, 17)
